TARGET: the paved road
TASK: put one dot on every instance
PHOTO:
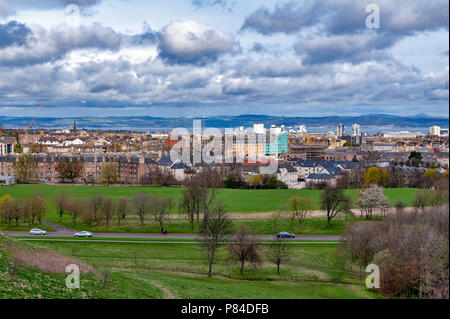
(155, 242)
(159, 236)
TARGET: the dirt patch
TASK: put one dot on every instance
(47, 261)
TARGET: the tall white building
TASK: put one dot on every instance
(275, 130)
(435, 131)
(258, 129)
(356, 130)
(340, 130)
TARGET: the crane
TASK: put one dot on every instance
(34, 118)
(33, 121)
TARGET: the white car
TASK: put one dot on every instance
(83, 234)
(37, 231)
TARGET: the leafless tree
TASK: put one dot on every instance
(74, 208)
(204, 187)
(10, 210)
(160, 207)
(94, 207)
(244, 247)
(122, 209)
(190, 202)
(141, 202)
(278, 251)
(108, 208)
(335, 202)
(420, 200)
(275, 219)
(61, 203)
(37, 207)
(411, 249)
(300, 207)
(359, 238)
(214, 234)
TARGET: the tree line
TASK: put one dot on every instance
(410, 248)
(29, 210)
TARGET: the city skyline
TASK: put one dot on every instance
(219, 57)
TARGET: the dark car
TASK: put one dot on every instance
(285, 235)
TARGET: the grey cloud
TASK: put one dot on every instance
(13, 33)
(53, 44)
(352, 48)
(340, 30)
(197, 78)
(289, 17)
(252, 81)
(225, 4)
(271, 67)
(193, 43)
(257, 47)
(400, 17)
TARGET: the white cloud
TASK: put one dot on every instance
(191, 42)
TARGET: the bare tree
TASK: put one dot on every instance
(122, 209)
(74, 208)
(335, 202)
(207, 185)
(61, 203)
(160, 207)
(108, 208)
(411, 249)
(275, 219)
(94, 207)
(214, 234)
(359, 238)
(10, 210)
(190, 202)
(300, 207)
(141, 202)
(38, 207)
(278, 251)
(420, 200)
(244, 247)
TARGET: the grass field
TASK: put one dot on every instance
(311, 226)
(236, 200)
(179, 271)
(22, 281)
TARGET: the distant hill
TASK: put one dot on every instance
(154, 123)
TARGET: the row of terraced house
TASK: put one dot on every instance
(133, 169)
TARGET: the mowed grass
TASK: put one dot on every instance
(311, 226)
(236, 200)
(179, 271)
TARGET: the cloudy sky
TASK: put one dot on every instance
(222, 57)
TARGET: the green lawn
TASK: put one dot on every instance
(311, 226)
(236, 200)
(20, 281)
(179, 271)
